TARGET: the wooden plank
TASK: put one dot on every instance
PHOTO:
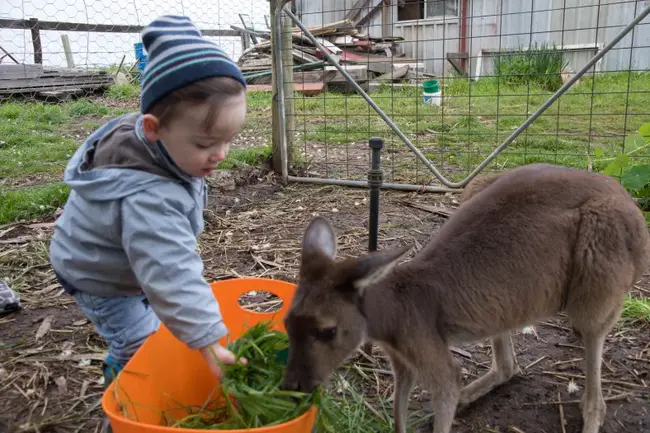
(20, 71)
(247, 69)
(102, 28)
(19, 82)
(358, 72)
(303, 57)
(453, 59)
(251, 63)
(72, 72)
(327, 28)
(354, 57)
(48, 83)
(60, 95)
(395, 74)
(307, 89)
(252, 35)
(33, 71)
(36, 40)
(330, 46)
(309, 76)
(380, 68)
(67, 50)
(36, 91)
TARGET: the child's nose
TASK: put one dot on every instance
(218, 156)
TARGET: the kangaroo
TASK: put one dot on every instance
(522, 246)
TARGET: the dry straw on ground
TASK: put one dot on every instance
(49, 362)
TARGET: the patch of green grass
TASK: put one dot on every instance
(587, 125)
(38, 113)
(257, 100)
(34, 202)
(85, 107)
(594, 116)
(33, 134)
(32, 151)
(636, 309)
(112, 69)
(42, 115)
(123, 92)
(247, 156)
(541, 65)
(90, 125)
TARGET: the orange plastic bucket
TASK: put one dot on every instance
(164, 376)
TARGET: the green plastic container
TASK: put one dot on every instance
(431, 86)
(432, 94)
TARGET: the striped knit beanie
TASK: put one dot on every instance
(179, 56)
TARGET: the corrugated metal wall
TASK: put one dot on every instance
(429, 43)
(563, 22)
(500, 24)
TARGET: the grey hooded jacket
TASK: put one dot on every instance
(131, 225)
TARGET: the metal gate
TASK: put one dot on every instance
(447, 184)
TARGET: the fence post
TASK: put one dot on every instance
(36, 40)
(67, 50)
(287, 63)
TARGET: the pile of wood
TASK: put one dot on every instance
(368, 60)
(50, 83)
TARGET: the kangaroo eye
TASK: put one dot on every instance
(326, 334)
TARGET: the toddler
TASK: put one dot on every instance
(124, 247)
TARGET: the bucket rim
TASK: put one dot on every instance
(311, 411)
(431, 85)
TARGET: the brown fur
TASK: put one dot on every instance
(477, 185)
(523, 246)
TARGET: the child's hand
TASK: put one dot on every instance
(216, 351)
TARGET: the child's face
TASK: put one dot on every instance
(194, 149)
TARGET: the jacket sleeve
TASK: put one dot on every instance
(161, 247)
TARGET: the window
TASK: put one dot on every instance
(440, 8)
(421, 9)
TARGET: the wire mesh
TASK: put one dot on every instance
(495, 63)
(66, 67)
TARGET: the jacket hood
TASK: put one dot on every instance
(117, 161)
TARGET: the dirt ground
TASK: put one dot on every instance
(50, 357)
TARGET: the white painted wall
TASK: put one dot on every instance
(105, 49)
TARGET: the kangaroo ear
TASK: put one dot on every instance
(375, 266)
(319, 238)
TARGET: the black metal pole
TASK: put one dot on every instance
(375, 180)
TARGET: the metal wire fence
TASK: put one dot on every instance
(455, 79)
(66, 67)
(458, 77)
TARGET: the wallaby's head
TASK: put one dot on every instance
(326, 322)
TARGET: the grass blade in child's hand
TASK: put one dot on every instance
(254, 387)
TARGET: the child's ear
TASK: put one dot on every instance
(150, 124)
